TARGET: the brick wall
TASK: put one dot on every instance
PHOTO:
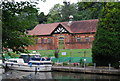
(71, 41)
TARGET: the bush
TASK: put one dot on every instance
(53, 63)
(90, 64)
(65, 63)
(116, 65)
(81, 62)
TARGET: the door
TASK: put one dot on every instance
(61, 43)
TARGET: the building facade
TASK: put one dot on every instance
(64, 35)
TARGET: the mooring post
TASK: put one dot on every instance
(94, 65)
(109, 66)
(84, 63)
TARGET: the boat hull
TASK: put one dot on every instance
(28, 68)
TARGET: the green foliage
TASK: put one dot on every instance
(42, 18)
(10, 55)
(67, 10)
(116, 65)
(61, 13)
(54, 14)
(106, 44)
(81, 62)
(91, 8)
(16, 19)
(90, 64)
(65, 63)
(80, 11)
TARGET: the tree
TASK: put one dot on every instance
(106, 44)
(91, 8)
(55, 14)
(61, 13)
(67, 10)
(42, 18)
(16, 19)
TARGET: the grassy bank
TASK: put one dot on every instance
(74, 52)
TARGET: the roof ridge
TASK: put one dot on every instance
(67, 21)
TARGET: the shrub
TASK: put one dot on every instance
(116, 65)
(81, 62)
(65, 63)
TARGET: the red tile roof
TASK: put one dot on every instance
(83, 26)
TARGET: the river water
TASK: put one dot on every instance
(13, 74)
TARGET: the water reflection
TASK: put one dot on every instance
(13, 74)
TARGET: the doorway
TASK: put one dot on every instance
(61, 43)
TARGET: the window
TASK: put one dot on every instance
(12, 61)
(39, 40)
(49, 40)
(42, 40)
(61, 38)
(78, 39)
(87, 39)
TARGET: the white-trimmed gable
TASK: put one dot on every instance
(60, 29)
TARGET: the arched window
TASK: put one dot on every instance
(61, 38)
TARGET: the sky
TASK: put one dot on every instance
(46, 6)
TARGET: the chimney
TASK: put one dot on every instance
(70, 20)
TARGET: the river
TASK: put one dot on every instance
(13, 74)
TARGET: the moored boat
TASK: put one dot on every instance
(29, 62)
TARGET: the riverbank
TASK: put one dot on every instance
(90, 70)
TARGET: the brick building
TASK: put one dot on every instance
(64, 35)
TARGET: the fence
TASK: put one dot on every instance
(72, 59)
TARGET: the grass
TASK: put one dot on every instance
(71, 54)
(74, 52)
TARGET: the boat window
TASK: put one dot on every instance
(36, 59)
(26, 58)
(47, 63)
(36, 63)
(43, 59)
(12, 61)
(35, 56)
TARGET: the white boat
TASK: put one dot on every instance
(29, 62)
(1, 62)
